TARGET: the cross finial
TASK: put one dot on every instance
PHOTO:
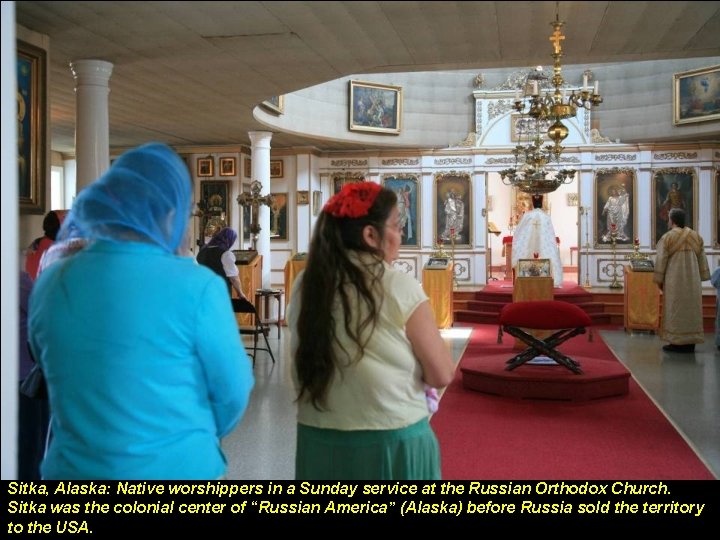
(556, 38)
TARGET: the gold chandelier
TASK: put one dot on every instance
(533, 161)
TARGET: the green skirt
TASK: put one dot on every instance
(410, 453)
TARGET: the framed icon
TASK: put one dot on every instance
(227, 166)
(673, 187)
(31, 127)
(452, 208)
(534, 268)
(405, 187)
(276, 168)
(375, 107)
(205, 166)
(615, 213)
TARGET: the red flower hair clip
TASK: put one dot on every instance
(353, 201)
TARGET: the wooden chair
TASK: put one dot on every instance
(255, 328)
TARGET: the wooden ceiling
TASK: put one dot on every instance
(191, 73)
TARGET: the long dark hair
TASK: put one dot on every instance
(331, 275)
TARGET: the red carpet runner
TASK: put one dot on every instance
(484, 437)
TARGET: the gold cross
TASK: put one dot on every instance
(556, 38)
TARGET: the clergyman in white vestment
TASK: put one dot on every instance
(535, 234)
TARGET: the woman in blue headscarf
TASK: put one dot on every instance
(140, 349)
(217, 256)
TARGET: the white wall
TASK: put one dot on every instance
(9, 219)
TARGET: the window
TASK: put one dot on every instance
(57, 188)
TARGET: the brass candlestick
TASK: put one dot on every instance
(585, 210)
(636, 255)
(615, 283)
(452, 244)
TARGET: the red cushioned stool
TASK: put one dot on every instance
(544, 315)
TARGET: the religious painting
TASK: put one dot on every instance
(453, 198)
(279, 217)
(342, 178)
(696, 95)
(405, 187)
(247, 172)
(303, 197)
(276, 168)
(534, 268)
(673, 187)
(215, 208)
(615, 213)
(317, 202)
(205, 166)
(716, 209)
(227, 166)
(276, 104)
(31, 127)
(375, 107)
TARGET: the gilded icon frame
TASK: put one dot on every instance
(279, 217)
(214, 195)
(457, 186)
(227, 166)
(662, 181)
(696, 95)
(205, 167)
(31, 116)
(620, 184)
(376, 108)
(406, 187)
(276, 168)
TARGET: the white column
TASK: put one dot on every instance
(92, 131)
(260, 149)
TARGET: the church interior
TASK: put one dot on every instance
(465, 109)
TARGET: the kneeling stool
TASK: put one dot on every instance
(544, 315)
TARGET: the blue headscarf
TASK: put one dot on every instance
(143, 197)
(224, 238)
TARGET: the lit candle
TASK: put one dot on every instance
(535, 88)
(585, 80)
(597, 88)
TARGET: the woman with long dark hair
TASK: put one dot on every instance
(365, 344)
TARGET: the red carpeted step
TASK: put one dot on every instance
(601, 318)
(464, 315)
(600, 379)
(487, 307)
(591, 307)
